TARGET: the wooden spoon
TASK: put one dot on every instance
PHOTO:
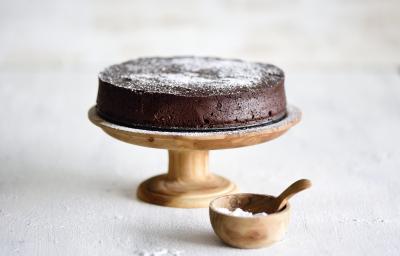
(292, 190)
(271, 206)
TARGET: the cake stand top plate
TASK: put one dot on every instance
(206, 140)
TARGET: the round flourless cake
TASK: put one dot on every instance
(191, 93)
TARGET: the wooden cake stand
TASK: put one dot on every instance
(188, 183)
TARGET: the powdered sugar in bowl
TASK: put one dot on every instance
(240, 228)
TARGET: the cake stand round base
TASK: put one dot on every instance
(188, 182)
(184, 194)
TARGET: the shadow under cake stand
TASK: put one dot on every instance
(188, 183)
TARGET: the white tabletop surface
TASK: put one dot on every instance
(66, 188)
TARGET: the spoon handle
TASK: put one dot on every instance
(293, 189)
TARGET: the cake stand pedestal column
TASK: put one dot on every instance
(187, 184)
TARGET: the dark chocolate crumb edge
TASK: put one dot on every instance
(277, 119)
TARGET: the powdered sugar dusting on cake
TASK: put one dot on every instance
(186, 75)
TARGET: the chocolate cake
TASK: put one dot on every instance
(191, 93)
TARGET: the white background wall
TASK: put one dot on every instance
(90, 34)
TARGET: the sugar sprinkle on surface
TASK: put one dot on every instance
(188, 75)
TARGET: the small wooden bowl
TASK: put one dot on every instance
(247, 232)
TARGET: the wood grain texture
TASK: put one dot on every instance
(289, 192)
(266, 204)
(197, 141)
(248, 232)
(188, 183)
